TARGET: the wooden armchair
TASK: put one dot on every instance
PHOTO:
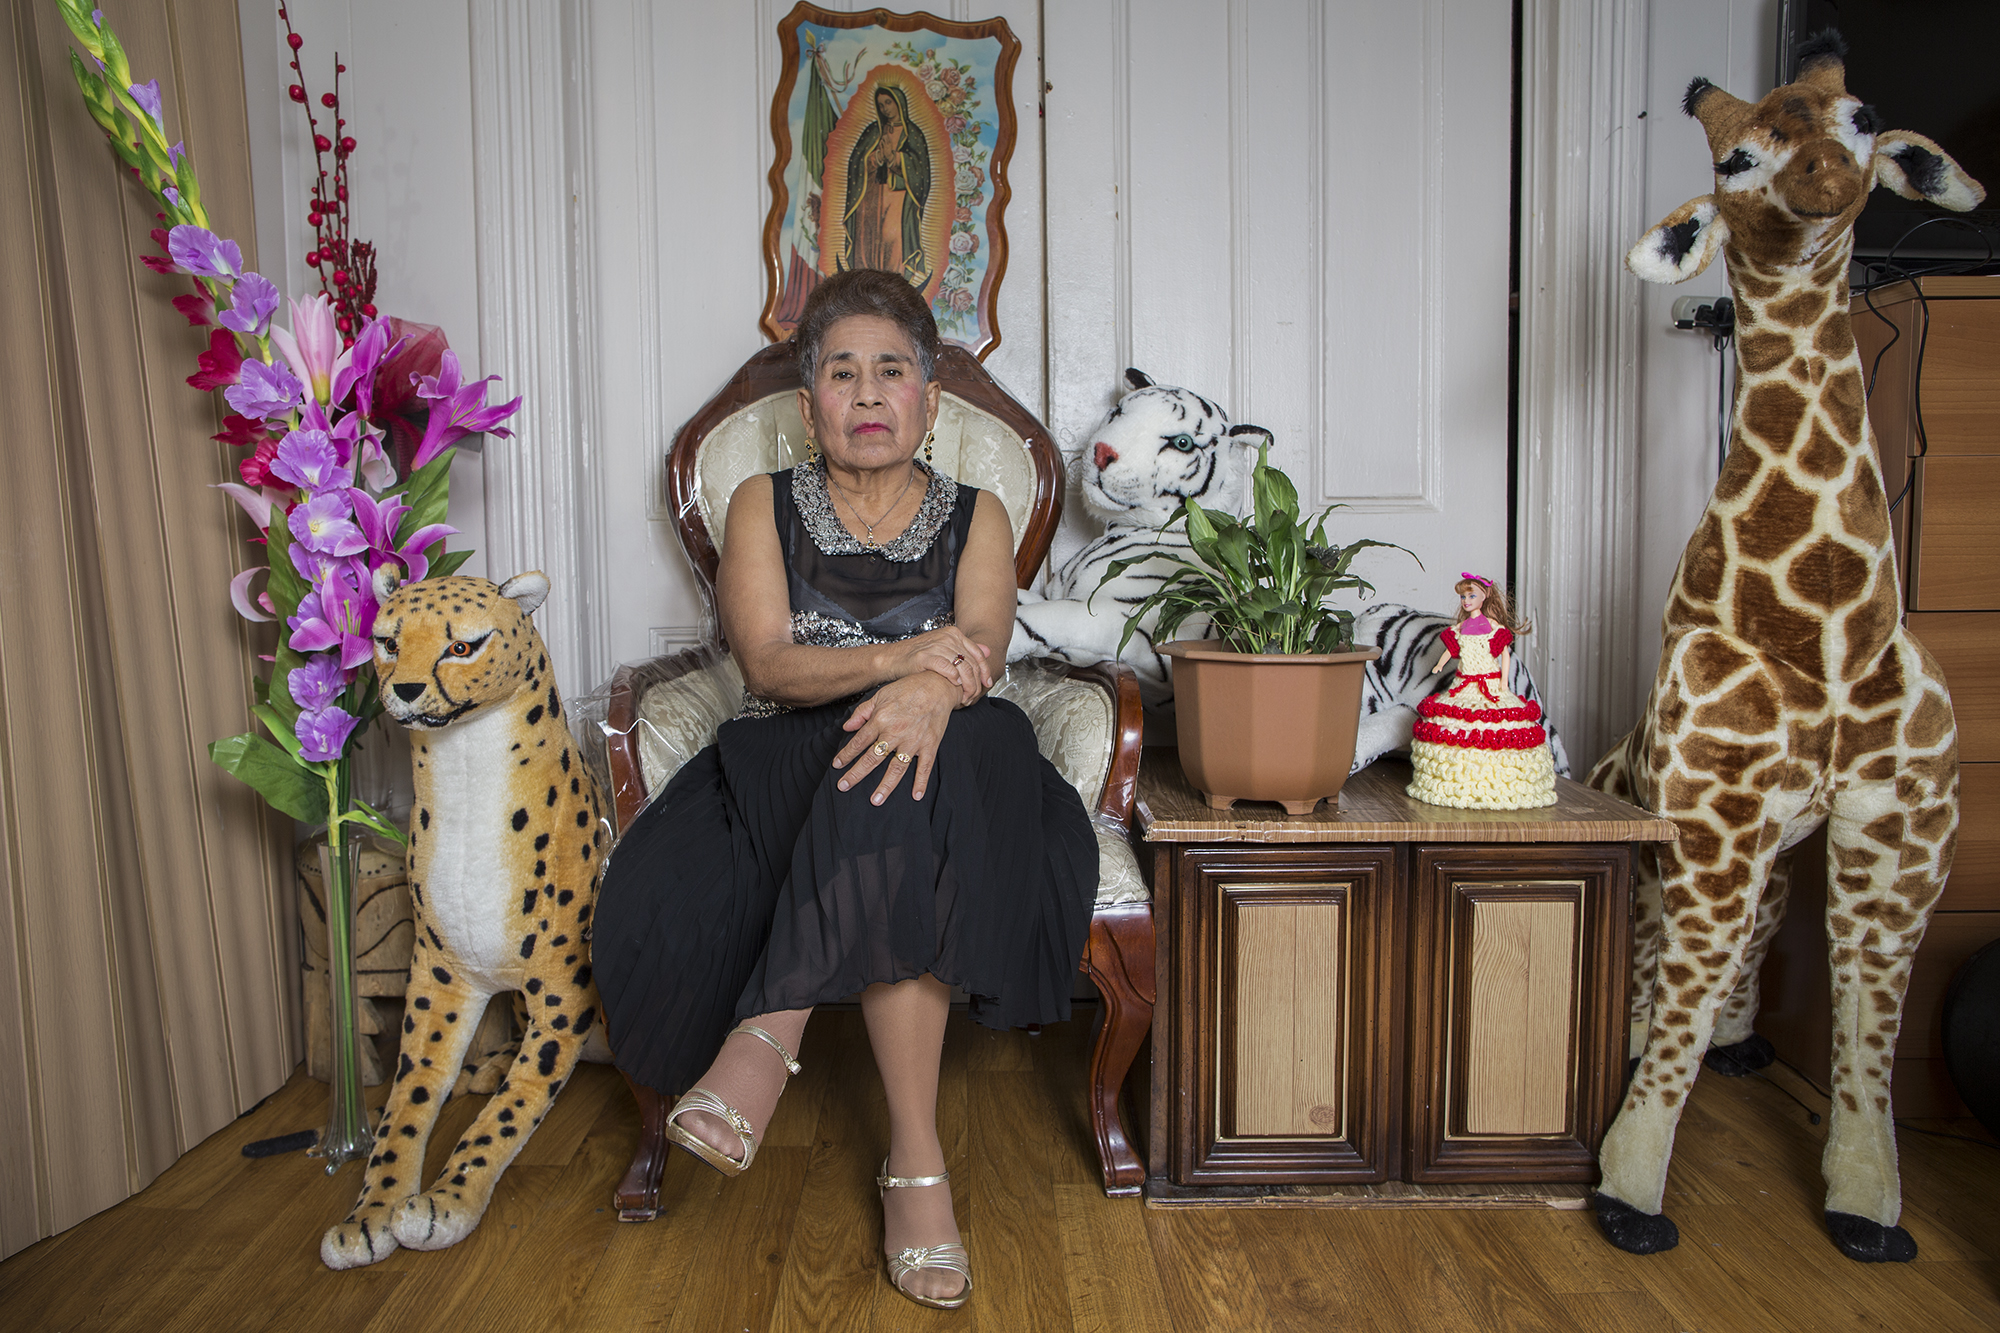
(1087, 719)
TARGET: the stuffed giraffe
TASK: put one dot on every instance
(1788, 695)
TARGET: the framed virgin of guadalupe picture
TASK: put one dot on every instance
(893, 133)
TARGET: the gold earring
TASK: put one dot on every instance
(812, 450)
(929, 436)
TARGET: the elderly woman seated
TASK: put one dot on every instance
(872, 823)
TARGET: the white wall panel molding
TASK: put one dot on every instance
(531, 146)
(1381, 436)
(1583, 65)
(664, 639)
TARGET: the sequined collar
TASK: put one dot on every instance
(815, 506)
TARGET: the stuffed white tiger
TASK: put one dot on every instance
(1159, 446)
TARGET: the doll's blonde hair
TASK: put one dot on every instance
(1497, 609)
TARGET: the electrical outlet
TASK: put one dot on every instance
(1704, 312)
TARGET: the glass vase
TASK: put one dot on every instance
(347, 1135)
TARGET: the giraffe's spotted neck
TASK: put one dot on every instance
(1793, 555)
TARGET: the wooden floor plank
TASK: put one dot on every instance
(1208, 1267)
(1108, 1263)
(740, 1254)
(1482, 1251)
(1015, 1240)
(833, 1265)
(1417, 1289)
(221, 1242)
(1616, 1312)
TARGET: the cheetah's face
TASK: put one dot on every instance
(445, 647)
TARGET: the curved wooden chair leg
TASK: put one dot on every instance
(638, 1195)
(1120, 960)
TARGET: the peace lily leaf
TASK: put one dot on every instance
(1261, 583)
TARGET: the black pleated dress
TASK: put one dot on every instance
(752, 883)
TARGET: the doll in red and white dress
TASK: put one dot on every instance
(1478, 745)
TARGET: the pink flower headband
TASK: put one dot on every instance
(1486, 583)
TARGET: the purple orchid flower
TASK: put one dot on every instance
(147, 95)
(255, 298)
(323, 734)
(318, 683)
(201, 252)
(308, 459)
(266, 390)
(338, 612)
(456, 410)
(325, 523)
(357, 365)
(172, 196)
(175, 154)
(378, 520)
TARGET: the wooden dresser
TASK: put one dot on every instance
(1948, 539)
(1388, 991)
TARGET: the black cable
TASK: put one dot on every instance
(1813, 1116)
(1890, 273)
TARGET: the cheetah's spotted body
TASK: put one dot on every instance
(506, 845)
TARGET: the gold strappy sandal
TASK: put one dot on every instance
(701, 1099)
(950, 1256)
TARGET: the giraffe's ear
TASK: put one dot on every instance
(1682, 245)
(1917, 168)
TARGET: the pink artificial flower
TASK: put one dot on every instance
(311, 345)
(221, 365)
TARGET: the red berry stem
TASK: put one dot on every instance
(346, 267)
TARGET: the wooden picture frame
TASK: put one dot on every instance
(919, 186)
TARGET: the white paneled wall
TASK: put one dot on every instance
(576, 190)
(1300, 209)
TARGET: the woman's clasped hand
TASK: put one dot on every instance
(899, 727)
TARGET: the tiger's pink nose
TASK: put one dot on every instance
(1104, 455)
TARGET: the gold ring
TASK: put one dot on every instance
(881, 748)
(902, 758)
(956, 660)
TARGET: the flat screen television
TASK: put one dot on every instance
(1932, 66)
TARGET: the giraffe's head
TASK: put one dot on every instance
(1793, 171)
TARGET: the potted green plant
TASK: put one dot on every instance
(1268, 706)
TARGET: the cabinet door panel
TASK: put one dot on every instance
(1518, 976)
(1285, 1048)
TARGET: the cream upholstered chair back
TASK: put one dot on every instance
(984, 438)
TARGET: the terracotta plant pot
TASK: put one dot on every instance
(1266, 727)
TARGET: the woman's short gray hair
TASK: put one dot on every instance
(866, 291)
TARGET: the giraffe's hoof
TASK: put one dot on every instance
(1868, 1242)
(1631, 1230)
(1744, 1058)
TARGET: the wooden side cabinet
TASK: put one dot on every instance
(1388, 991)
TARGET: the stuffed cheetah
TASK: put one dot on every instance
(505, 851)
